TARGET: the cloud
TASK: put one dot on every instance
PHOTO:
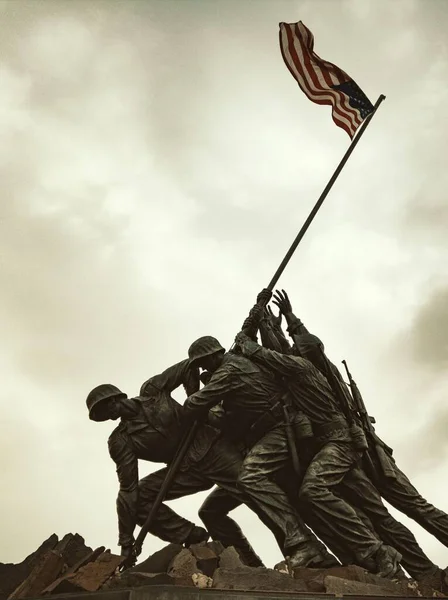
(156, 162)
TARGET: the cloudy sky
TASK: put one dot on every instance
(157, 160)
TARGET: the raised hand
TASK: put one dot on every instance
(264, 296)
(276, 320)
(282, 301)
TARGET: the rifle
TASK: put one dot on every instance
(164, 488)
(376, 448)
(356, 432)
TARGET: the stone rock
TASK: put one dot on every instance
(256, 579)
(59, 585)
(342, 587)
(46, 570)
(12, 575)
(437, 582)
(202, 581)
(216, 546)
(160, 561)
(230, 559)
(314, 578)
(206, 559)
(72, 548)
(183, 565)
(131, 579)
(93, 575)
(282, 567)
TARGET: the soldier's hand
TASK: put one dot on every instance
(282, 301)
(130, 557)
(264, 296)
(205, 377)
(241, 338)
(276, 320)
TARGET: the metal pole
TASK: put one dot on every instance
(319, 203)
(171, 473)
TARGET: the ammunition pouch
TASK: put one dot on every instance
(358, 438)
(386, 462)
(265, 423)
(302, 427)
(337, 429)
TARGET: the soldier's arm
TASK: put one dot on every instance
(283, 364)
(283, 302)
(222, 385)
(271, 335)
(127, 499)
(179, 374)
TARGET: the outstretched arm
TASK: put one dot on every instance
(295, 325)
(271, 333)
(282, 364)
(222, 385)
(179, 374)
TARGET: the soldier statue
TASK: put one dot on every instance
(151, 428)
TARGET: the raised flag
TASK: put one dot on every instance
(322, 81)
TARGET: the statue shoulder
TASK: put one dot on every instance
(239, 363)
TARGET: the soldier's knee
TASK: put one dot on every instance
(206, 513)
(309, 491)
(248, 476)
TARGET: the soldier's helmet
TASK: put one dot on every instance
(102, 392)
(202, 347)
(309, 343)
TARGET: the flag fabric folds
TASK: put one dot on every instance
(322, 81)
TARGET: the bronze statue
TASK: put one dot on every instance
(250, 397)
(335, 454)
(379, 476)
(151, 427)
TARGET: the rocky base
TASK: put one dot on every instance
(69, 566)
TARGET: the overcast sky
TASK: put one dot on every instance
(157, 159)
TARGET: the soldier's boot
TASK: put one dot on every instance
(438, 582)
(387, 561)
(310, 555)
(249, 557)
(197, 535)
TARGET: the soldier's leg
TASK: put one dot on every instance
(326, 471)
(214, 513)
(359, 490)
(168, 526)
(221, 466)
(262, 462)
(403, 496)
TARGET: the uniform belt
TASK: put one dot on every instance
(336, 424)
(265, 422)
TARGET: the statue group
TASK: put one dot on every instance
(275, 428)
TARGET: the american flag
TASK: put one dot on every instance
(322, 81)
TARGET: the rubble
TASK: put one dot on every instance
(69, 566)
(183, 566)
(12, 575)
(160, 561)
(206, 559)
(45, 571)
(91, 576)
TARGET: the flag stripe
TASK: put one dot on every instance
(295, 67)
(321, 84)
(312, 93)
(329, 75)
(322, 81)
(332, 75)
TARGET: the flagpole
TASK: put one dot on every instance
(328, 187)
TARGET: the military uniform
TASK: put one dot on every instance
(364, 487)
(154, 433)
(335, 455)
(249, 395)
